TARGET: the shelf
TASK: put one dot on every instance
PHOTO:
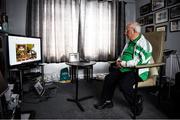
(32, 75)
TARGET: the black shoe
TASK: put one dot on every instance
(138, 108)
(103, 105)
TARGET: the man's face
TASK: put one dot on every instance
(129, 32)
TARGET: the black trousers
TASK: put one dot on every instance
(125, 82)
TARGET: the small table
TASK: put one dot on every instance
(75, 66)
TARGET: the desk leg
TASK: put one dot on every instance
(21, 84)
(86, 73)
(77, 100)
(72, 73)
(89, 73)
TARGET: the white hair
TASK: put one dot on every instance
(135, 25)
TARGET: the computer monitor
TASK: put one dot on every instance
(24, 50)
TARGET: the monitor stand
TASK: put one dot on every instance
(26, 66)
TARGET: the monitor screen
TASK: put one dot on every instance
(23, 49)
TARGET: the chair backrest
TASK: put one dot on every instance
(157, 41)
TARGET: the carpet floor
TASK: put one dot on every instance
(53, 103)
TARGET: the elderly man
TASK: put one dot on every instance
(136, 51)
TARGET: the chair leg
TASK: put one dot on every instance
(160, 85)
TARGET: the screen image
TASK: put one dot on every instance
(25, 52)
(23, 49)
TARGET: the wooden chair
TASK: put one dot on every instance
(157, 41)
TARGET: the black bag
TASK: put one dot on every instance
(177, 80)
(175, 90)
(177, 76)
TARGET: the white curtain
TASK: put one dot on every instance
(67, 26)
(56, 21)
(98, 20)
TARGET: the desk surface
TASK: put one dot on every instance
(81, 64)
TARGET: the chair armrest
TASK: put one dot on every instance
(111, 62)
(144, 66)
(149, 65)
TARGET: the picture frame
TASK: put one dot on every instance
(149, 28)
(145, 9)
(172, 2)
(162, 28)
(73, 57)
(175, 25)
(141, 21)
(161, 16)
(2, 6)
(149, 19)
(174, 12)
(157, 4)
(39, 88)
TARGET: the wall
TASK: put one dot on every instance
(172, 37)
(130, 10)
(16, 11)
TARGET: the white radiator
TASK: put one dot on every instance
(172, 67)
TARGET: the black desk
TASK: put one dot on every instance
(21, 70)
(75, 66)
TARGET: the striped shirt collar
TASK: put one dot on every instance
(135, 40)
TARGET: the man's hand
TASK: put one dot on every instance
(118, 64)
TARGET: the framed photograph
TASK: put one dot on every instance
(157, 4)
(162, 28)
(172, 2)
(148, 19)
(145, 9)
(174, 12)
(2, 6)
(161, 16)
(73, 57)
(149, 29)
(175, 25)
(39, 88)
(141, 21)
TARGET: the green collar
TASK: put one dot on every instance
(135, 40)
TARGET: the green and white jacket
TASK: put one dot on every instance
(136, 52)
